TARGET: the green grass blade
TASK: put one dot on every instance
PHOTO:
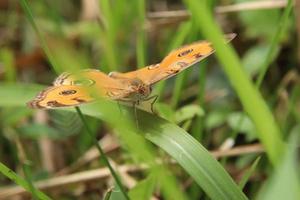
(103, 156)
(27, 173)
(21, 182)
(248, 173)
(193, 157)
(253, 103)
(285, 182)
(43, 42)
(109, 34)
(274, 47)
(177, 41)
(141, 36)
(190, 154)
(144, 189)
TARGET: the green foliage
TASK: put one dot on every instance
(203, 108)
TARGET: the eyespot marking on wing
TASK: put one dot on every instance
(84, 82)
(185, 52)
(67, 92)
(176, 67)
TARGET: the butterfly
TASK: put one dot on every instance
(73, 89)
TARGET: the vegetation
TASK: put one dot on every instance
(226, 128)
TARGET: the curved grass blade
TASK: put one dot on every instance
(253, 103)
(190, 154)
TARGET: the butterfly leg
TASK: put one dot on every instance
(134, 104)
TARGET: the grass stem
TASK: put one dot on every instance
(103, 156)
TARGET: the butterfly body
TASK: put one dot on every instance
(72, 89)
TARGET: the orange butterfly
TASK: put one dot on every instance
(72, 89)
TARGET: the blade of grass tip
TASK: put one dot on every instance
(20, 181)
(274, 47)
(103, 156)
(141, 41)
(43, 42)
(253, 103)
(248, 173)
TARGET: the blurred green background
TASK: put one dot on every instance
(42, 38)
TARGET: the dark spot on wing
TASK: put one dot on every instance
(79, 100)
(67, 92)
(55, 104)
(198, 55)
(183, 53)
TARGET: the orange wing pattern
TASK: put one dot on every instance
(172, 64)
(71, 89)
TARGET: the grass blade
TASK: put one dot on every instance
(21, 182)
(274, 48)
(190, 154)
(248, 173)
(103, 156)
(252, 101)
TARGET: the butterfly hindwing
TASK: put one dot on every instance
(71, 89)
(61, 96)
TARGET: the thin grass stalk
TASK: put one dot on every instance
(274, 47)
(42, 40)
(252, 101)
(177, 91)
(141, 40)
(103, 156)
(27, 173)
(177, 41)
(198, 128)
(21, 182)
(110, 32)
(25, 163)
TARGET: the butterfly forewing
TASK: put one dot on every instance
(173, 63)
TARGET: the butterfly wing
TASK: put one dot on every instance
(61, 96)
(173, 63)
(71, 89)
